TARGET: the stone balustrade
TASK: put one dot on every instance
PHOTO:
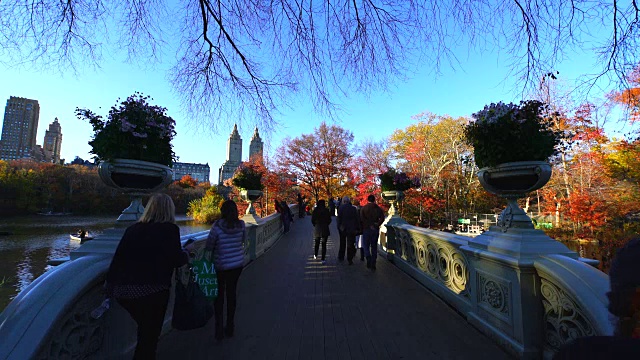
(51, 318)
(527, 292)
(524, 290)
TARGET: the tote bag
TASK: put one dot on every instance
(206, 275)
(191, 309)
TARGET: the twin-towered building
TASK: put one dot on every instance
(19, 130)
(234, 153)
(18, 142)
(200, 172)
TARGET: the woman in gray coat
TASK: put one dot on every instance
(226, 240)
(321, 218)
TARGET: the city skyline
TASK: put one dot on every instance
(20, 131)
(478, 80)
(19, 128)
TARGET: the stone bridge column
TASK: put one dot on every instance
(388, 242)
(507, 302)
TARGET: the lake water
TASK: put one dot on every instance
(34, 240)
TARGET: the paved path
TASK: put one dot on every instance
(293, 307)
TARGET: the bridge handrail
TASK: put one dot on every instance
(574, 300)
(52, 316)
(46, 301)
(435, 259)
(543, 299)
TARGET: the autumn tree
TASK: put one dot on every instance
(320, 160)
(248, 58)
(187, 182)
(371, 160)
(623, 162)
(629, 97)
(434, 150)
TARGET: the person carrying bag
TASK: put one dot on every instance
(191, 309)
(139, 277)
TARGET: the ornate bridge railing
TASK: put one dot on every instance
(52, 318)
(519, 288)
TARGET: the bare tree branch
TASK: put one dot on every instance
(245, 60)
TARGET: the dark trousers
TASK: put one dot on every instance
(347, 241)
(351, 246)
(227, 287)
(286, 222)
(148, 312)
(343, 245)
(370, 240)
(324, 246)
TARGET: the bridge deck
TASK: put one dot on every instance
(293, 307)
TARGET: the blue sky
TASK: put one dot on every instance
(479, 80)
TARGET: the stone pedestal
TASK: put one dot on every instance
(508, 306)
(136, 178)
(387, 235)
(250, 196)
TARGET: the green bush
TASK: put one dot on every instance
(207, 209)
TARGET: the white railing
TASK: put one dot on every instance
(51, 318)
(574, 300)
(434, 258)
(529, 303)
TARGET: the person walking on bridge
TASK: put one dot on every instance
(226, 241)
(348, 227)
(140, 273)
(371, 217)
(321, 218)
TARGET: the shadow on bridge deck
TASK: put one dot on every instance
(293, 307)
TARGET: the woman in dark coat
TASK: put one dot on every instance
(140, 273)
(321, 218)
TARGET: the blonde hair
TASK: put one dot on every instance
(160, 208)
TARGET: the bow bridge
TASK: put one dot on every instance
(508, 293)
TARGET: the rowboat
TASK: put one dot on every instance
(77, 238)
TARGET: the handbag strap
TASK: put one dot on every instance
(178, 273)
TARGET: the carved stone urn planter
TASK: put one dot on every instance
(512, 181)
(135, 178)
(393, 197)
(249, 196)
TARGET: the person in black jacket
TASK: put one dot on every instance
(321, 218)
(140, 273)
(348, 226)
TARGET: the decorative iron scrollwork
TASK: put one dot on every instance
(438, 259)
(564, 319)
(495, 295)
(77, 335)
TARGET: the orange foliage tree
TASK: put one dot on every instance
(319, 161)
(187, 182)
(629, 97)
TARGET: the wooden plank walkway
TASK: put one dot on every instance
(293, 307)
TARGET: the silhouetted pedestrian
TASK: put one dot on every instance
(348, 226)
(140, 273)
(371, 217)
(321, 218)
